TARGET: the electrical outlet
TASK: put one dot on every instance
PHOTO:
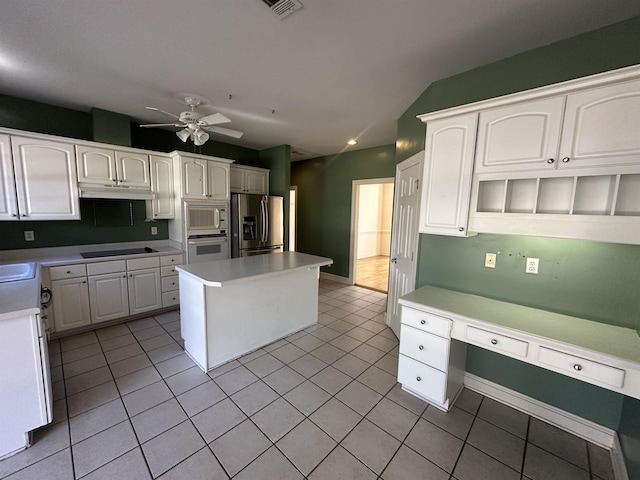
(490, 260)
(28, 236)
(532, 265)
(154, 230)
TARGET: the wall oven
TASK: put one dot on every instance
(206, 232)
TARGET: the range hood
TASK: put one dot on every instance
(88, 190)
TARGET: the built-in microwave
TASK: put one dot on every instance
(203, 218)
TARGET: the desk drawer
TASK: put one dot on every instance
(581, 368)
(421, 378)
(426, 322)
(497, 342)
(68, 271)
(425, 347)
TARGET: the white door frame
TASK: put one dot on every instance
(355, 190)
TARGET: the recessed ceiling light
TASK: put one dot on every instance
(352, 142)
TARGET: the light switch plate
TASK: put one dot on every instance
(490, 260)
(532, 265)
(28, 236)
(154, 230)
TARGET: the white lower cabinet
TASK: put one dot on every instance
(430, 364)
(144, 285)
(71, 303)
(109, 296)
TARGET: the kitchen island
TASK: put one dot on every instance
(232, 307)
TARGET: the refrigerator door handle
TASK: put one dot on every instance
(266, 216)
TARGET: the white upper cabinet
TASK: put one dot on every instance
(45, 179)
(446, 179)
(602, 127)
(112, 167)
(249, 180)
(163, 203)
(203, 179)
(519, 137)
(8, 200)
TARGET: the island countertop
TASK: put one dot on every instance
(224, 272)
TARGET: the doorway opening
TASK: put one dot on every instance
(372, 210)
(293, 198)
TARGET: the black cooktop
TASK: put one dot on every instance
(113, 253)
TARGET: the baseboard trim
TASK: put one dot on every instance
(581, 427)
(335, 278)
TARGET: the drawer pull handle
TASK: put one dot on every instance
(577, 367)
(422, 322)
(421, 347)
(419, 379)
(494, 341)
(68, 271)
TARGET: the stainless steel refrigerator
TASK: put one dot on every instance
(257, 224)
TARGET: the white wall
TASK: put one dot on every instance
(375, 209)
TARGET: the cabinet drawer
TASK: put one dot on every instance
(68, 271)
(171, 260)
(170, 298)
(168, 270)
(101, 268)
(421, 378)
(581, 368)
(497, 342)
(141, 263)
(427, 322)
(170, 283)
(425, 347)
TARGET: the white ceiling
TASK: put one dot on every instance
(332, 70)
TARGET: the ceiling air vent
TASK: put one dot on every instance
(283, 8)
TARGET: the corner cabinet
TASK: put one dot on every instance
(447, 173)
(38, 180)
(558, 161)
(249, 180)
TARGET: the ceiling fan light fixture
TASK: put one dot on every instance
(353, 141)
(200, 137)
(184, 134)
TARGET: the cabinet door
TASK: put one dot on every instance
(194, 179)
(46, 179)
(109, 298)
(236, 180)
(520, 137)
(96, 165)
(144, 290)
(70, 303)
(8, 202)
(133, 169)
(601, 127)
(256, 182)
(446, 178)
(162, 205)
(218, 180)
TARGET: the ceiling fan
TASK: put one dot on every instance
(194, 124)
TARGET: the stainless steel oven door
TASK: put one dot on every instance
(207, 248)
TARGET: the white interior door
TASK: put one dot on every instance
(404, 236)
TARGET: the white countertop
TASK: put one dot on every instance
(48, 257)
(223, 272)
(616, 341)
(20, 298)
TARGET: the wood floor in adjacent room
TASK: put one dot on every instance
(373, 272)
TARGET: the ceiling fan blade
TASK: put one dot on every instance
(162, 125)
(225, 131)
(162, 111)
(213, 119)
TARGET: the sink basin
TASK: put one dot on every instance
(17, 271)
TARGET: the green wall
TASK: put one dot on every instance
(591, 279)
(324, 200)
(278, 161)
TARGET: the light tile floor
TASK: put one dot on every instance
(321, 404)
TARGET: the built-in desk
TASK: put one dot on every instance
(438, 323)
(231, 307)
